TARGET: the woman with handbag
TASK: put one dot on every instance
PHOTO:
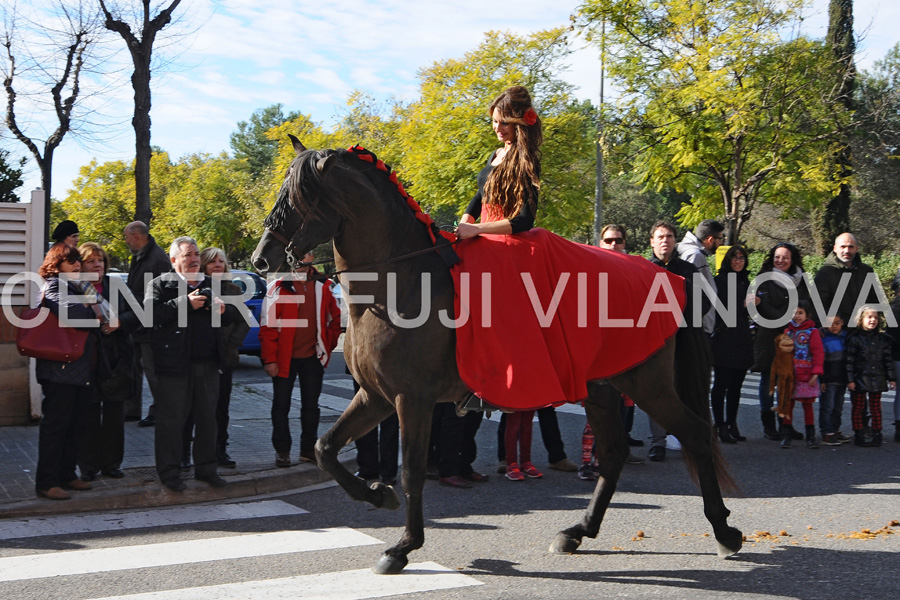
(103, 442)
(68, 386)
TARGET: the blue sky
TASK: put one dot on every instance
(241, 55)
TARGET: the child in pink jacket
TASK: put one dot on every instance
(809, 363)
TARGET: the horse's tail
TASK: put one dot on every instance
(693, 363)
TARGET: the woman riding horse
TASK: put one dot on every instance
(402, 351)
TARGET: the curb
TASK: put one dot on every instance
(155, 494)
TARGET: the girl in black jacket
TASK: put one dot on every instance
(732, 344)
(870, 370)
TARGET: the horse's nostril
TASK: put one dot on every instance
(261, 264)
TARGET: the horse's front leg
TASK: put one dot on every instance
(415, 433)
(603, 408)
(364, 413)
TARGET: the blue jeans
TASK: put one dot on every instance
(830, 407)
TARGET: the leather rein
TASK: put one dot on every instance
(293, 257)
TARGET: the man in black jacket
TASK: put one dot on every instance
(844, 261)
(188, 350)
(148, 261)
(663, 244)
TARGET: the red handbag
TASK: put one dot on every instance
(48, 340)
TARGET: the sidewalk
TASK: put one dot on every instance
(250, 445)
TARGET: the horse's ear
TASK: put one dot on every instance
(325, 163)
(298, 147)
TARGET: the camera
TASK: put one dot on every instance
(207, 294)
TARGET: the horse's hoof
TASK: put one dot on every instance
(390, 565)
(387, 497)
(730, 543)
(563, 543)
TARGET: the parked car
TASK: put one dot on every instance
(247, 280)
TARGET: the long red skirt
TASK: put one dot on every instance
(544, 315)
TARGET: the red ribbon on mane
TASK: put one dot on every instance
(422, 216)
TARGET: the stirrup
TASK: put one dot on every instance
(475, 403)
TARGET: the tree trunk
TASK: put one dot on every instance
(140, 80)
(831, 220)
(141, 50)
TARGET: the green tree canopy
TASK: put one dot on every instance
(876, 154)
(101, 201)
(209, 203)
(719, 101)
(10, 177)
(250, 143)
(445, 137)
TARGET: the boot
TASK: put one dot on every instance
(768, 421)
(811, 437)
(725, 435)
(859, 438)
(733, 430)
(787, 434)
(223, 458)
(877, 439)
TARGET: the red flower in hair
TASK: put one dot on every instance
(530, 117)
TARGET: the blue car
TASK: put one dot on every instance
(245, 279)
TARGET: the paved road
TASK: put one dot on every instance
(806, 514)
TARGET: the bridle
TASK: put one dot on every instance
(293, 256)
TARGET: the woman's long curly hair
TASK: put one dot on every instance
(796, 258)
(518, 176)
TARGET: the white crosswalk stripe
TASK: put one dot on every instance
(354, 585)
(76, 562)
(339, 585)
(180, 515)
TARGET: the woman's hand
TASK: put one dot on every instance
(465, 231)
(813, 380)
(271, 369)
(851, 386)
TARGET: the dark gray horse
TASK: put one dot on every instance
(333, 195)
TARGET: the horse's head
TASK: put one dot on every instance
(302, 217)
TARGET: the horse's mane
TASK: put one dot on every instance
(306, 192)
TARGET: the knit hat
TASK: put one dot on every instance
(64, 230)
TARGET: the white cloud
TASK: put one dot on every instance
(309, 54)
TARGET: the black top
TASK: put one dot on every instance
(522, 221)
(692, 294)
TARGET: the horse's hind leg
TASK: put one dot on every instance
(415, 432)
(364, 413)
(653, 391)
(603, 413)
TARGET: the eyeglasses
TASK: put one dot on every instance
(613, 241)
(738, 257)
(73, 259)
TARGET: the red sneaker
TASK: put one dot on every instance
(513, 473)
(530, 470)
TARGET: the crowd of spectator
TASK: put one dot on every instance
(836, 324)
